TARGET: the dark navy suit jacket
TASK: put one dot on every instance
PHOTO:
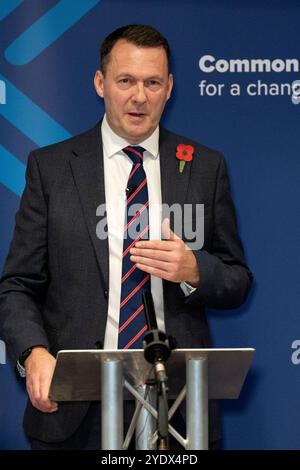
(54, 289)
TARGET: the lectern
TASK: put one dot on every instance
(194, 375)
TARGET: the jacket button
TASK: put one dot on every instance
(106, 293)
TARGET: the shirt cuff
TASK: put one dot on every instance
(187, 289)
(21, 370)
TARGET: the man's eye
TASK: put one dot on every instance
(153, 84)
(124, 80)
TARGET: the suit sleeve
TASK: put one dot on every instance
(225, 279)
(24, 282)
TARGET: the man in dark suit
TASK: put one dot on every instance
(61, 284)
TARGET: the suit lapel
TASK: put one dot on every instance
(174, 185)
(88, 172)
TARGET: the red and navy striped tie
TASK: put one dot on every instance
(132, 323)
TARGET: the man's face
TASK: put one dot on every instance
(135, 88)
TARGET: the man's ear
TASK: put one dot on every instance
(98, 83)
(170, 85)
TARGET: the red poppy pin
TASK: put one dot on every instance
(184, 154)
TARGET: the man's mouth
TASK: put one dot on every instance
(136, 114)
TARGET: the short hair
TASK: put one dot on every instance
(138, 34)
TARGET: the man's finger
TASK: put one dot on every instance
(165, 245)
(166, 256)
(155, 263)
(154, 271)
(45, 407)
(166, 231)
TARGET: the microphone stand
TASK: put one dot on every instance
(156, 351)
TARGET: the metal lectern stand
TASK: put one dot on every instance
(195, 375)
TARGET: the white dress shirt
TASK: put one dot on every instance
(117, 167)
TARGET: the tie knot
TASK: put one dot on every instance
(135, 153)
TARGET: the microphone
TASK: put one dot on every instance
(130, 190)
(156, 344)
(156, 351)
(149, 311)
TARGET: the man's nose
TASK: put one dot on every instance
(139, 93)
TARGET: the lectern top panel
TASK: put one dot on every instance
(77, 374)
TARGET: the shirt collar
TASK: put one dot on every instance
(113, 143)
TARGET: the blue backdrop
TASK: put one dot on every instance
(49, 52)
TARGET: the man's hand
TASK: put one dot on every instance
(39, 368)
(169, 259)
